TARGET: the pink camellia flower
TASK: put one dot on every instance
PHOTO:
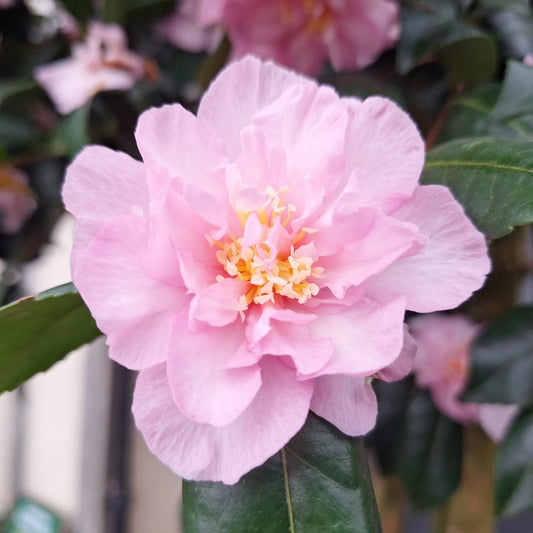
(442, 364)
(259, 260)
(102, 62)
(17, 201)
(303, 34)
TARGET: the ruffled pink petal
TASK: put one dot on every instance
(348, 402)
(310, 123)
(101, 184)
(284, 332)
(220, 303)
(110, 276)
(383, 141)
(238, 93)
(449, 268)
(188, 233)
(175, 144)
(359, 246)
(203, 452)
(366, 337)
(202, 388)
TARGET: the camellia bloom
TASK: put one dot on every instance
(303, 34)
(442, 364)
(101, 62)
(17, 201)
(259, 260)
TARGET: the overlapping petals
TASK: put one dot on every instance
(259, 261)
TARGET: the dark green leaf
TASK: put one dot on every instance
(514, 468)
(72, 134)
(470, 116)
(36, 332)
(502, 360)
(516, 97)
(319, 482)
(430, 452)
(491, 178)
(15, 86)
(467, 55)
(81, 9)
(384, 439)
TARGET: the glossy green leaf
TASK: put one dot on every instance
(502, 360)
(491, 178)
(430, 452)
(514, 468)
(319, 482)
(36, 332)
(516, 97)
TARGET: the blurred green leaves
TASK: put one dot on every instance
(502, 360)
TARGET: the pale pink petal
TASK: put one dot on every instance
(68, 83)
(175, 144)
(366, 337)
(101, 184)
(203, 389)
(220, 303)
(449, 268)
(238, 93)
(284, 332)
(383, 141)
(361, 245)
(403, 364)
(188, 232)
(203, 452)
(110, 276)
(348, 402)
(310, 123)
(496, 419)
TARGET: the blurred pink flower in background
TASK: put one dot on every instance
(17, 201)
(259, 260)
(300, 34)
(183, 29)
(101, 62)
(442, 364)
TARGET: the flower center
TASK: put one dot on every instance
(267, 271)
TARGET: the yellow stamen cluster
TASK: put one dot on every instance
(268, 276)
